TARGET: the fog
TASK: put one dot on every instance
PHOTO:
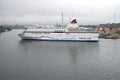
(49, 11)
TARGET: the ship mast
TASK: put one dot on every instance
(62, 19)
(114, 18)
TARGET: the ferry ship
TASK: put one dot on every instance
(72, 33)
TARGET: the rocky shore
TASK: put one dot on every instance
(110, 33)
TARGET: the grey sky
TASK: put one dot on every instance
(49, 11)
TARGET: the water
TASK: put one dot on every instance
(44, 60)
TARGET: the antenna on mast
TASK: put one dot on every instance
(62, 19)
(70, 19)
(114, 18)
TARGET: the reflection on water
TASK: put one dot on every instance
(72, 50)
(80, 50)
(44, 60)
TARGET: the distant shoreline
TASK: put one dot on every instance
(3, 29)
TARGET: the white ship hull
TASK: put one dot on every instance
(61, 36)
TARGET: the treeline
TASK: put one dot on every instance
(3, 29)
(111, 25)
(108, 25)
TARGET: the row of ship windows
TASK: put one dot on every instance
(59, 31)
(40, 33)
(44, 33)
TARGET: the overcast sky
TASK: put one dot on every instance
(49, 11)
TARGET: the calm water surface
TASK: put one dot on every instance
(42, 60)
